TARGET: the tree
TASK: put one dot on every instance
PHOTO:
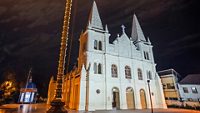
(9, 88)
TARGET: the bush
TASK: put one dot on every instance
(184, 107)
(173, 106)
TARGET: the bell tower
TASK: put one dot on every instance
(140, 41)
(94, 38)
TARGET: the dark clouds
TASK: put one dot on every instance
(30, 32)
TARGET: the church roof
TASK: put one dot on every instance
(94, 18)
(191, 79)
(123, 38)
(137, 33)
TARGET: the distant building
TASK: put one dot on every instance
(28, 93)
(190, 88)
(170, 79)
(112, 75)
(177, 91)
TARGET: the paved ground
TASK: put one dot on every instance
(41, 108)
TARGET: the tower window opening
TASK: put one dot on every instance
(95, 44)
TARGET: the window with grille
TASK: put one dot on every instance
(140, 77)
(114, 70)
(128, 72)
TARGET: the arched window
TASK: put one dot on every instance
(100, 45)
(114, 70)
(128, 72)
(149, 75)
(140, 74)
(95, 68)
(99, 68)
(95, 44)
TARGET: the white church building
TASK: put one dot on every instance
(112, 75)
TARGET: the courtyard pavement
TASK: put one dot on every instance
(41, 108)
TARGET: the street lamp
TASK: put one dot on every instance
(148, 81)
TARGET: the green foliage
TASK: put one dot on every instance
(9, 89)
(184, 107)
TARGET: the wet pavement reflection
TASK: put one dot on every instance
(42, 108)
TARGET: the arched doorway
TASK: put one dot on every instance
(130, 98)
(116, 99)
(143, 99)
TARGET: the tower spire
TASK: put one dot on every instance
(137, 33)
(94, 18)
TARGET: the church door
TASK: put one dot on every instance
(143, 99)
(130, 98)
(116, 99)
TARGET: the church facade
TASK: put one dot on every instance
(112, 75)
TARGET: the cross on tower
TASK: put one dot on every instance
(123, 28)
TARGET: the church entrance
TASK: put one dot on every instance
(143, 99)
(130, 98)
(116, 99)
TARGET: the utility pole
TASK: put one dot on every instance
(148, 81)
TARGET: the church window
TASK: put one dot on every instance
(95, 44)
(128, 72)
(140, 77)
(100, 45)
(149, 75)
(95, 68)
(99, 68)
(114, 70)
(146, 55)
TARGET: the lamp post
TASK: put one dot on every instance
(148, 81)
(57, 105)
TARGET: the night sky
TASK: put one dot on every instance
(30, 32)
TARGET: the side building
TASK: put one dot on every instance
(170, 79)
(179, 91)
(112, 75)
(190, 88)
